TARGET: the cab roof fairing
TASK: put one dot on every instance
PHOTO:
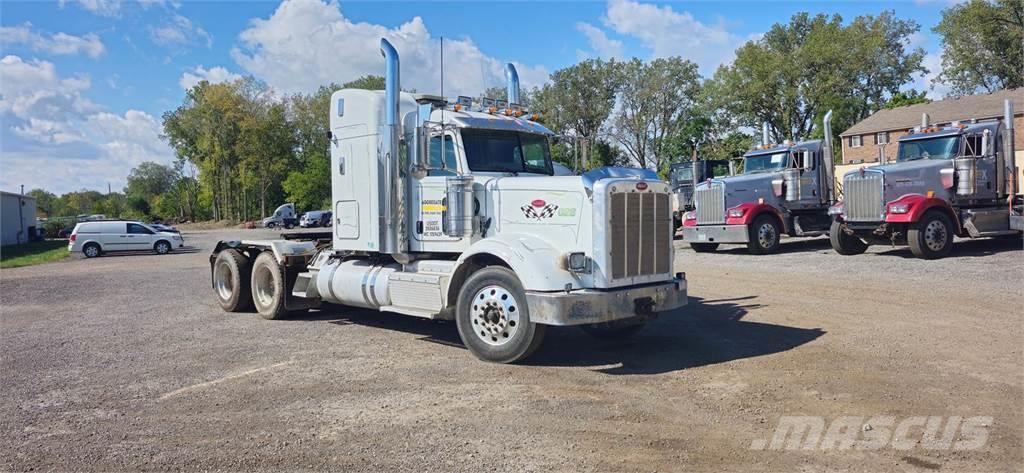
(481, 120)
(811, 145)
(980, 127)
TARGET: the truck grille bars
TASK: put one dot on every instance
(862, 197)
(641, 238)
(710, 202)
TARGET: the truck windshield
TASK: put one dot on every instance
(681, 175)
(765, 162)
(934, 148)
(506, 151)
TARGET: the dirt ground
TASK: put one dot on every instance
(127, 363)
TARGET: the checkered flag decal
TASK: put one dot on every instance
(545, 212)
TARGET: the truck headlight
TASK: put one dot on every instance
(736, 212)
(899, 208)
(576, 262)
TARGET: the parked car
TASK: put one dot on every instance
(163, 228)
(327, 219)
(97, 237)
(284, 216)
(313, 218)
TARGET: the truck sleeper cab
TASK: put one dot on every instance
(785, 188)
(451, 211)
(947, 181)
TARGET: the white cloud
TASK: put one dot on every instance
(212, 75)
(667, 32)
(54, 138)
(110, 8)
(307, 43)
(60, 43)
(932, 62)
(180, 31)
(600, 43)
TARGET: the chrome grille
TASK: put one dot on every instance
(710, 203)
(862, 197)
(641, 234)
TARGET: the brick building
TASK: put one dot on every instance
(864, 142)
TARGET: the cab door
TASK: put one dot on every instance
(429, 193)
(806, 160)
(139, 237)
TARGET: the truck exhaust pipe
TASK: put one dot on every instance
(392, 219)
(1005, 161)
(924, 121)
(764, 134)
(828, 154)
(512, 84)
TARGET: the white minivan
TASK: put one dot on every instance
(95, 238)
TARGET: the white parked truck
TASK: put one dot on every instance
(452, 211)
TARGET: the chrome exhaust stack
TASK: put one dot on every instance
(828, 155)
(390, 186)
(512, 84)
(1005, 162)
(764, 134)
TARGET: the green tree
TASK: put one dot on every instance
(903, 99)
(798, 71)
(148, 180)
(365, 82)
(983, 46)
(46, 202)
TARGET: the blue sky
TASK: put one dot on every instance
(84, 82)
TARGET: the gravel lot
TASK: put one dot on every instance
(127, 363)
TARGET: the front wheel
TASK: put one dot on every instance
(932, 236)
(763, 235)
(162, 247)
(493, 318)
(844, 243)
(271, 225)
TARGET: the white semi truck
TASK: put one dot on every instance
(451, 211)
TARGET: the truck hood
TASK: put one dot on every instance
(912, 177)
(744, 188)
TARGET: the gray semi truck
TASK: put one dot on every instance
(957, 180)
(785, 188)
(683, 178)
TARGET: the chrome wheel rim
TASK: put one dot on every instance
(222, 280)
(263, 286)
(494, 315)
(91, 252)
(162, 248)
(935, 235)
(766, 235)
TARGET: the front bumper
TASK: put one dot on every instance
(716, 234)
(591, 306)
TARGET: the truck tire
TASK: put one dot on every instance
(268, 287)
(493, 318)
(617, 330)
(932, 236)
(844, 243)
(704, 247)
(231, 281)
(763, 235)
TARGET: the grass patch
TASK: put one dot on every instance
(38, 252)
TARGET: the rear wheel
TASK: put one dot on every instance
(763, 235)
(704, 247)
(268, 287)
(932, 236)
(844, 243)
(271, 225)
(231, 272)
(91, 250)
(493, 318)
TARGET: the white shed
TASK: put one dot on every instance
(17, 218)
